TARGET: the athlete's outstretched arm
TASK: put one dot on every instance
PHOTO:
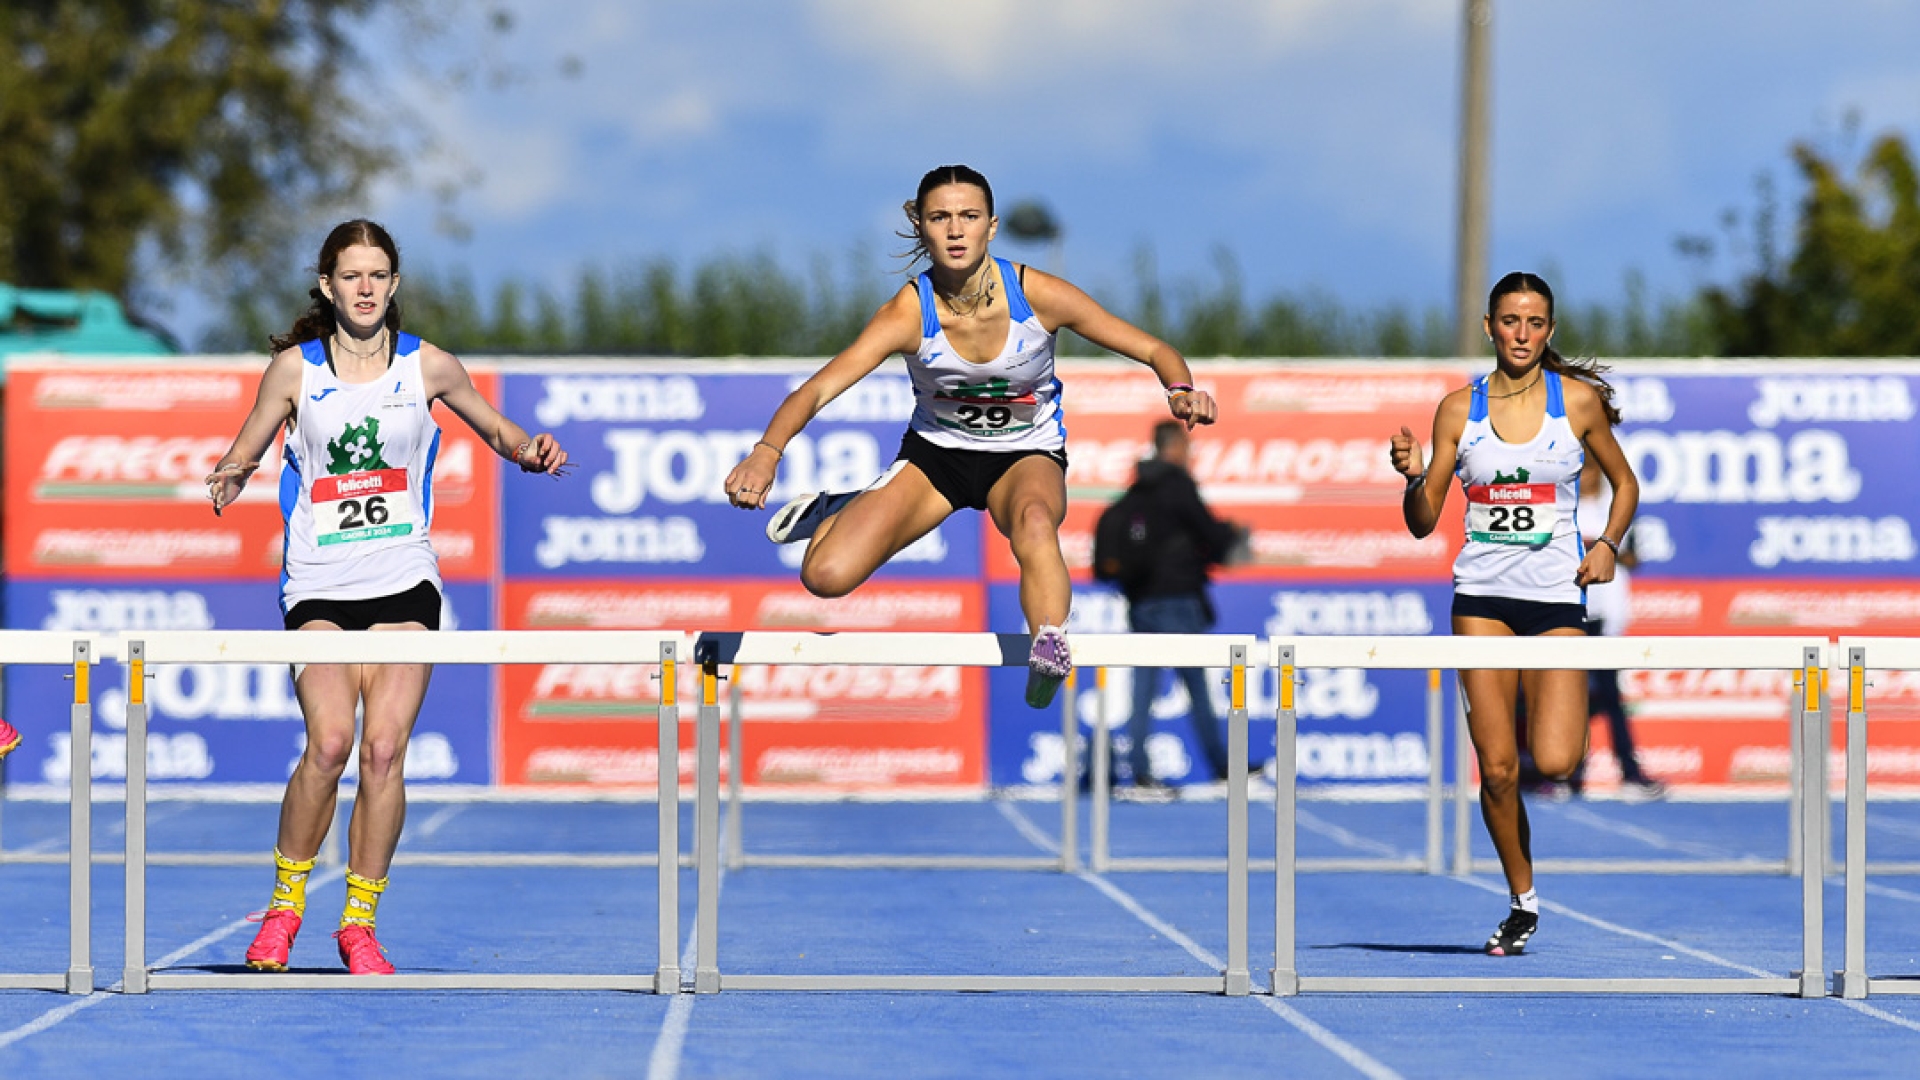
(1590, 421)
(273, 405)
(447, 381)
(1063, 306)
(895, 328)
(1427, 481)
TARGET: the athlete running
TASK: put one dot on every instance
(355, 397)
(1517, 438)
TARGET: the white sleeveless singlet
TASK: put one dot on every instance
(357, 489)
(1011, 402)
(1523, 537)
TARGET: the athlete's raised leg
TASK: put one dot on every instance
(1027, 504)
(1557, 717)
(877, 525)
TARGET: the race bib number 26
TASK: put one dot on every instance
(1511, 513)
(362, 506)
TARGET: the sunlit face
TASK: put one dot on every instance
(1520, 326)
(361, 286)
(956, 226)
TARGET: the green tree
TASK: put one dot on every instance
(174, 122)
(1850, 285)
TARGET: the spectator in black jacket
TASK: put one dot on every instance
(1171, 596)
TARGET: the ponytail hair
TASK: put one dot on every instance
(1587, 369)
(916, 206)
(319, 321)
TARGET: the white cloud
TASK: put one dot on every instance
(1018, 39)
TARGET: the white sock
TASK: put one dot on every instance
(1528, 901)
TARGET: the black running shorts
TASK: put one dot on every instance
(964, 477)
(1526, 618)
(420, 604)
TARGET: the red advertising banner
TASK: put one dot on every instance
(1299, 455)
(106, 475)
(1730, 727)
(804, 726)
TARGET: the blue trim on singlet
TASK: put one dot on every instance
(426, 484)
(929, 317)
(1556, 398)
(289, 499)
(1017, 305)
(1556, 401)
(314, 352)
(405, 343)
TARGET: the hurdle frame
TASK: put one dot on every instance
(77, 652)
(663, 648)
(1860, 655)
(1544, 653)
(966, 650)
(738, 857)
(1433, 799)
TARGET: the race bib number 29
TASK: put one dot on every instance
(1511, 513)
(362, 506)
(985, 417)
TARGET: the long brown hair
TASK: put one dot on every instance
(318, 321)
(1586, 369)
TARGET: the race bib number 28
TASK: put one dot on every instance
(1511, 513)
(362, 506)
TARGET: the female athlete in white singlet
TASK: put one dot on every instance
(1516, 439)
(987, 433)
(355, 397)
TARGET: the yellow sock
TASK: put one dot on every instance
(363, 898)
(289, 883)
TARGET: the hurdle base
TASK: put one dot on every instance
(1851, 985)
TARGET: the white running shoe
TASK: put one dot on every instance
(799, 519)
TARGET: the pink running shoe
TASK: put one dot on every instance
(1048, 665)
(360, 952)
(9, 738)
(274, 943)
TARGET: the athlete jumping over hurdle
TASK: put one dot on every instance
(988, 432)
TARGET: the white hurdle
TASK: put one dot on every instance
(79, 652)
(451, 647)
(1861, 655)
(1101, 859)
(1235, 652)
(1545, 653)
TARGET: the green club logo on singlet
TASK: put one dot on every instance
(1519, 476)
(358, 449)
(988, 409)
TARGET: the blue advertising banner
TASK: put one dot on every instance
(1354, 725)
(237, 723)
(653, 450)
(1765, 474)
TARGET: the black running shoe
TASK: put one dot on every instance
(799, 519)
(1511, 938)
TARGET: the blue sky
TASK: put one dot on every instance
(1313, 139)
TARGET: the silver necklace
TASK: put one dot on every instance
(341, 344)
(972, 300)
(1522, 390)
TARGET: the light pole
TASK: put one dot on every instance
(1470, 250)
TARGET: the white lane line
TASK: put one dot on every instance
(1314, 823)
(670, 1047)
(54, 1016)
(1698, 954)
(60, 1013)
(1361, 1061)
(1646, 836)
